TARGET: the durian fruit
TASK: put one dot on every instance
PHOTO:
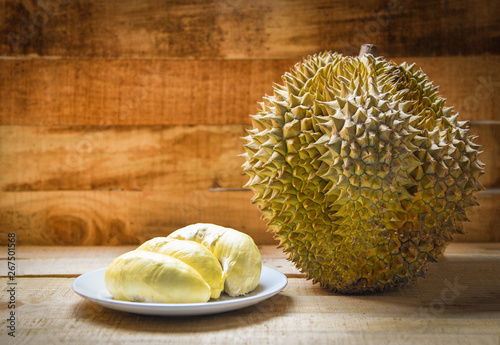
(361, 170)
(236, 252)
(195, 255)
(191, 265)
(144, 276)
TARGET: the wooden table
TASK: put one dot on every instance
(457, 303)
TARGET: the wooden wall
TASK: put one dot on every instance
(121, 120)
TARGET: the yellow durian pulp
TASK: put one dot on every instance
(236, 252)
(194, 255)
(143, 276)
(192, 265)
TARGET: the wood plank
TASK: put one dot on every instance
(153, 158)
(457, 302)
(148, 92)
(467, 251)
(104, 253)
(489, 139)
(259, 29)
(115, 218)
(149, 158)
(134, 92)
(483, 225)
(68, 261)
(29, 252)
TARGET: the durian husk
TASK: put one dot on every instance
(362, 171)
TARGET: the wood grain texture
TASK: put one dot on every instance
(117, 118)
(152, 158)
(148, 158)
(114, 218)
(208, 29)
(134, 92)
(483, 219)
(457, 302)
(489, 139)
(145, 92)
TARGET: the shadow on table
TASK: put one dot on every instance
(451, 287)
(270, 308)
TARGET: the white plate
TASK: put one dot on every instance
(91, 286)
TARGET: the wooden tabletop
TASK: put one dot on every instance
(457, 303)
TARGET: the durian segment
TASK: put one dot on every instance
(194, 255)
(361, 170)
(237, 253)
(144, 276)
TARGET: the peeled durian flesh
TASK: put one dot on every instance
(361, 170)
(143, 276)
(236, 252)
(206, 257)
(194, 255)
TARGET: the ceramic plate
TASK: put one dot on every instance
(91, 286)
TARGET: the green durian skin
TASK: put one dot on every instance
(362, 172)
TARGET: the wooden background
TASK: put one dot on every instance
(121, 120)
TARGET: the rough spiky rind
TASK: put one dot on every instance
(361, 170)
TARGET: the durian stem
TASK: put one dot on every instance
(368, 49)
